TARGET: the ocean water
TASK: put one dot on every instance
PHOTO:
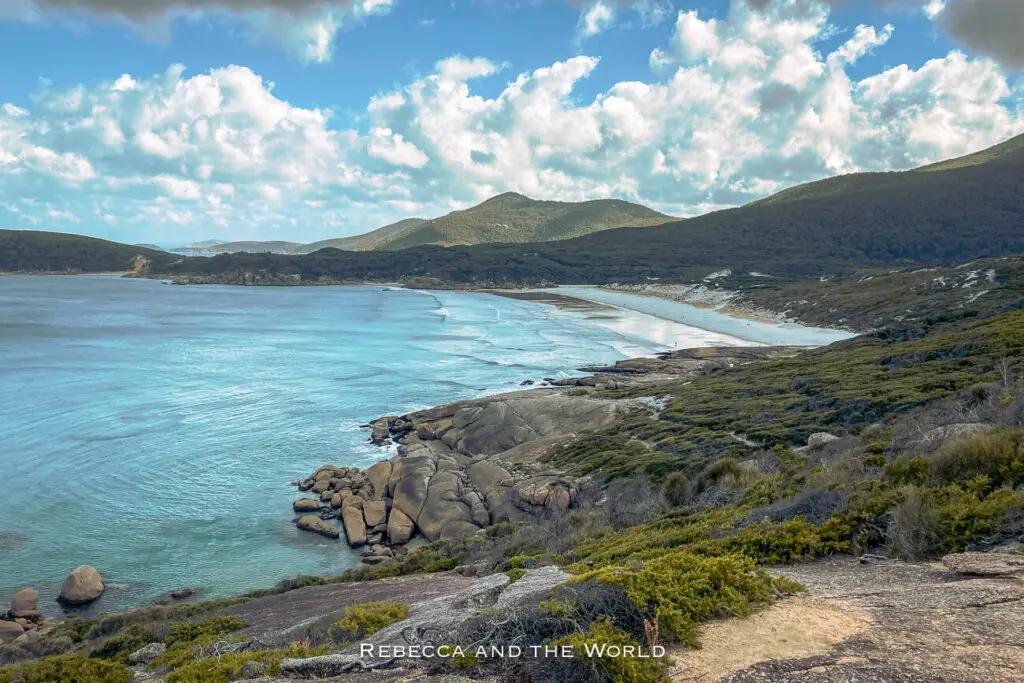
(152, 430)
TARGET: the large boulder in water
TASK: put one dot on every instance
(306, 505)
(317, 526)
(25, 604)
(82, 586)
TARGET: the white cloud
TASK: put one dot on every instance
(934, 7)
(595, 19)
(737, 107)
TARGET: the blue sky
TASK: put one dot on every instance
(240, 120)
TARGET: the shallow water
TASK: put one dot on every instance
(756, 331)
(152, 430)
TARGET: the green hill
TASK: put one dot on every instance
(511, 217)
(367, 241)
(1011, 150)
(256, 247)
(30, 251)
(945, 216)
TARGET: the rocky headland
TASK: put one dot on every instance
(464, 466)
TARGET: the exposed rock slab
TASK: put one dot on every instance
(921, 623)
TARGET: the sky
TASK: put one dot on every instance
(174, 121)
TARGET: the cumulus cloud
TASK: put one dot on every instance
(988, 27)
(595, 19)
(307, 29)
(738, 107)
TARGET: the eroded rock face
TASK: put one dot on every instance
(82, 586)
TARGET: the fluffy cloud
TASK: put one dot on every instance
(307, 29)
(736, 108)
(595, 19)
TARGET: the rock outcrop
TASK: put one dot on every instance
(83, 585)
(464, 466)
(147, 654)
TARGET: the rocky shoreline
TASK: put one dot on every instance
(464, 466)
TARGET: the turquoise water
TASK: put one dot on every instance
(152, 430)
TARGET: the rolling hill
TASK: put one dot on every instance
(32, 251)
(966, 209)
(513, 218)
(367, 241)
(949, 215)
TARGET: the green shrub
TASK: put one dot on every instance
(67, 669)
(467, 659)
(124, 643)
(997, 455)
(228, 667)
(364, 619)
(781, 542)
(906, 471)
(968, 516)
(187, 631)
(681, 589)
(724, 472)
(515, 574)
(603, 634)
(676, 489)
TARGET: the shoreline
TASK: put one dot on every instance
(548, 296)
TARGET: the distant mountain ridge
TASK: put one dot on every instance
(506, 218)
(964, 209)
(514, 218)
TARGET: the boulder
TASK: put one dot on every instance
(819, 440)
(82, 586)
(443, 504)
(375, 512)
(318, 526)
(305, 505)
(400, 527)
(321, 485)
(336, 500)
(381, 430)
(182, 593)
(25, 603)
(410, 491)
(355, 528)
(147, 654)
(10, 631)
(377, 475)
